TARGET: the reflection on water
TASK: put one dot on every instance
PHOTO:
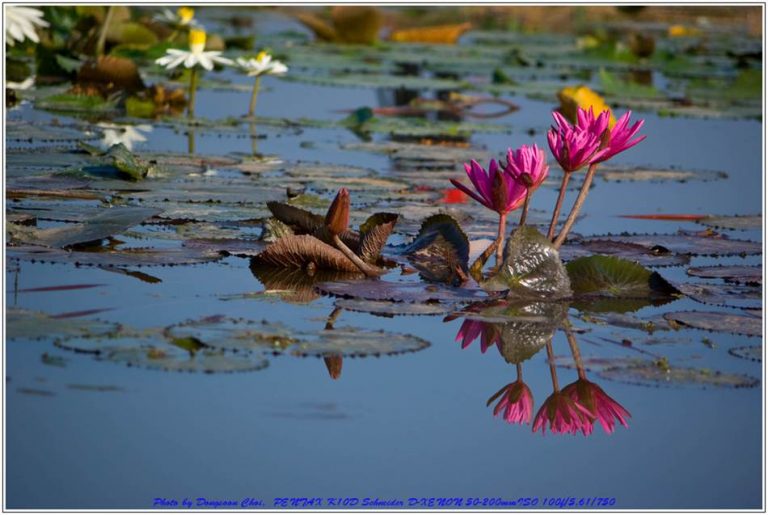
(519, 332)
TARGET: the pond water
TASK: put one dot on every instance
(408, 420)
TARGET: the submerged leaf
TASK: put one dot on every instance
(22, 324)
(531, 268)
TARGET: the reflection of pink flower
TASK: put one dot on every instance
(530, 162)
(597, 403)
(471, 329)
(564, 415)
(575, 145)
(516, 402)
(494, 189)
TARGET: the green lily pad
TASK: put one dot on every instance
(234, 334)
(392, 309)
(22, 324)
(749, 352)
(695, 244)
(650, 374)
(640, 254)
(531, 268)
(353, 342)
(614, 173)
(741, 274)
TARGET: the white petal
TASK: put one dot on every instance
(205, 61)
(177, 61)
(190, 60)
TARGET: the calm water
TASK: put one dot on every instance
(398, 427)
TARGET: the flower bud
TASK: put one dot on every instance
(337, 218)
(499, 190)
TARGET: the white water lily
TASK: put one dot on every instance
(194, 56)
(21, 86)
(128, 135)
(263, 64)
(181, 18)
(21, 22)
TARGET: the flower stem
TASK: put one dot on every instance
(519, 372)
(576, 206)
(575, 352)
(552, 368)
(191, 141)
(332, 318)
(558, 205)
(500, 239)
(524, 214)
(192, 93)
(476, 270)
(370, 271)
(254, 96)
(103, 34)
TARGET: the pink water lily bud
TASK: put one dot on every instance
(516, 403)
(528, 166)
(493, 188)
(600, 406)
(564, 415)
(337, 218)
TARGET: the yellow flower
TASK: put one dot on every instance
(185, 15)
(573, 97)
(681, 31)
(197, 40)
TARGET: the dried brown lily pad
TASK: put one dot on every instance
(695, 244)
(749, 352)
(740, 274)
(718, 322)
(304, 251)
(652, 374)
(399, 292)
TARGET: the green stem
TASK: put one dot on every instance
(192, 93)
(558, 205)
(254, 96)
(524, 215)
(576, 206)
(191, 141)
(103, 34)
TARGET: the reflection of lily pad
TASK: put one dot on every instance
(651, 374)
(738, 223)
(111, 257)
(718, 322)
(723, 294)
(749, 352)
(399, 292)
(739, 274)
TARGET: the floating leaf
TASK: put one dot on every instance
(531, 268)
(296, 218)
(302, 252)
(651, 374)
(749, 352)
(737, 223)
(613, 173)
(398, 292)
(104, 257)
(128, 163)
(391, 309)
(741, 274)
(722, 294)
(234, 334)
(374, 234)
(718, 322)
(110, 73)
(440, 251)
(108, 222)
(573, 97)
(352, 342)
(640, 254)
(696, 244)
(22, 324)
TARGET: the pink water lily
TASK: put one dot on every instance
(527, 165)
(493, 188)
(563, 415)
(600, 406)
(573, 146)
(621, 135)
(516, 403)
(470, 330)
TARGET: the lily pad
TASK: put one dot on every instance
(644, 174)
(353, 342)
(22, 324)
(650, 374)
(391, 309)
(723, 294)
(718, 322)
(105, 257)
(695, 244)
(294, 285)
(749, 352)
(633, 252)
(399, 292)
(234, 334)
(531, 268)
(740, 274)
(300, 252)
(737, 223)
